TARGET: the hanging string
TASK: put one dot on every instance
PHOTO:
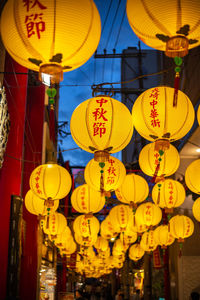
(178, 61)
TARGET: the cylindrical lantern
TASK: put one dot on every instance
(38, 206)
(156, 119)
(101, 125)
(148, 242)
(168, 194)
(86, 226)
(50, 181)
(168, 162)
(148, 214)
(51, 37)
(120, 215)
(113, 172)
(162, 236)
(192, 176)
(86, 200)
(136, 252)
(54, 224)
(181, 227)
(196, 209)
(170, 26)
(133, 190)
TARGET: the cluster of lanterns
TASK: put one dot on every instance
(51, 37)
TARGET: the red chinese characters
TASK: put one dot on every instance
(171, 192)
(111, 172)
(154, 112)
(34, 20)
(99, 115)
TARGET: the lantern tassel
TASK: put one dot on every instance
(52, 124)
(47, 224)
(176, 87)
(155, 173)
(101, 183)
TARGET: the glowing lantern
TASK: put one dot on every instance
(86, 200)
(63, 238)
(51, 37)
(114, 173)
(104, 254)
(134, 226)
(107, 229)
(85, 241)
(148, 242)
(173, 33)
(86, 226)
(38, 206)
(168, 194)
(68, 249)
(136, 252)
(154, 116)
(54, 224)
(101, 125)
(50, 181)
(120, 216)
(5, 124)
(162, 236)
(133, 190)
(196, 209)
(119, 247)
(168, 162)
(148, 214)
(192, 176)
(101, 244)
(128, 239)
(181, 227)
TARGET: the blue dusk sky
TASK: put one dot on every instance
(76, 86)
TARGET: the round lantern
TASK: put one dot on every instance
(192, 176)
(51, 37)
(63, 238)
(120, 215)
(168, 161)
(107, 229)
(148, 242)
(54, 224)
(101, 244)
(156, 119)
(171, 27)
(168, 194)
(128, 239)
(101, 125)
(119, 247)
(50, 181)
(196, 209)
(85, 241)
(133, 227)
(136, 252)
(86, 200)
(133, 190)
(114, 173)
(86, 226)
(181, 227)
(68, 249)
(163, 237)
(148, 214)
(38, 206)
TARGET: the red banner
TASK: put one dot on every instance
(156, 259)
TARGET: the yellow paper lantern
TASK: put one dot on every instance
(54, 224)
(192, 176)
(50, 181)
(148, 242)
(136, 252)
(196, 209)
(133, 190)
(38, 206)
(148, 214)
(63, 238)
(68, 249)
(119, 247)
(107, 229)
(134, 226)
(104, 254)
(163, 237)
(148, 161)
(101, 125)
(156, 119)
(101, 244)
(181, 227)
(168, 194)
(198, 115)
(85, 241)
(114, 173)
(167, 26)
(51, 37)
(86, 200)
(128, 239)
(86, 226)
(120, 215)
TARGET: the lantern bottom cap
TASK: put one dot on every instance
(101, 156)
(161, 144)
(177, 46)
(54, 70)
